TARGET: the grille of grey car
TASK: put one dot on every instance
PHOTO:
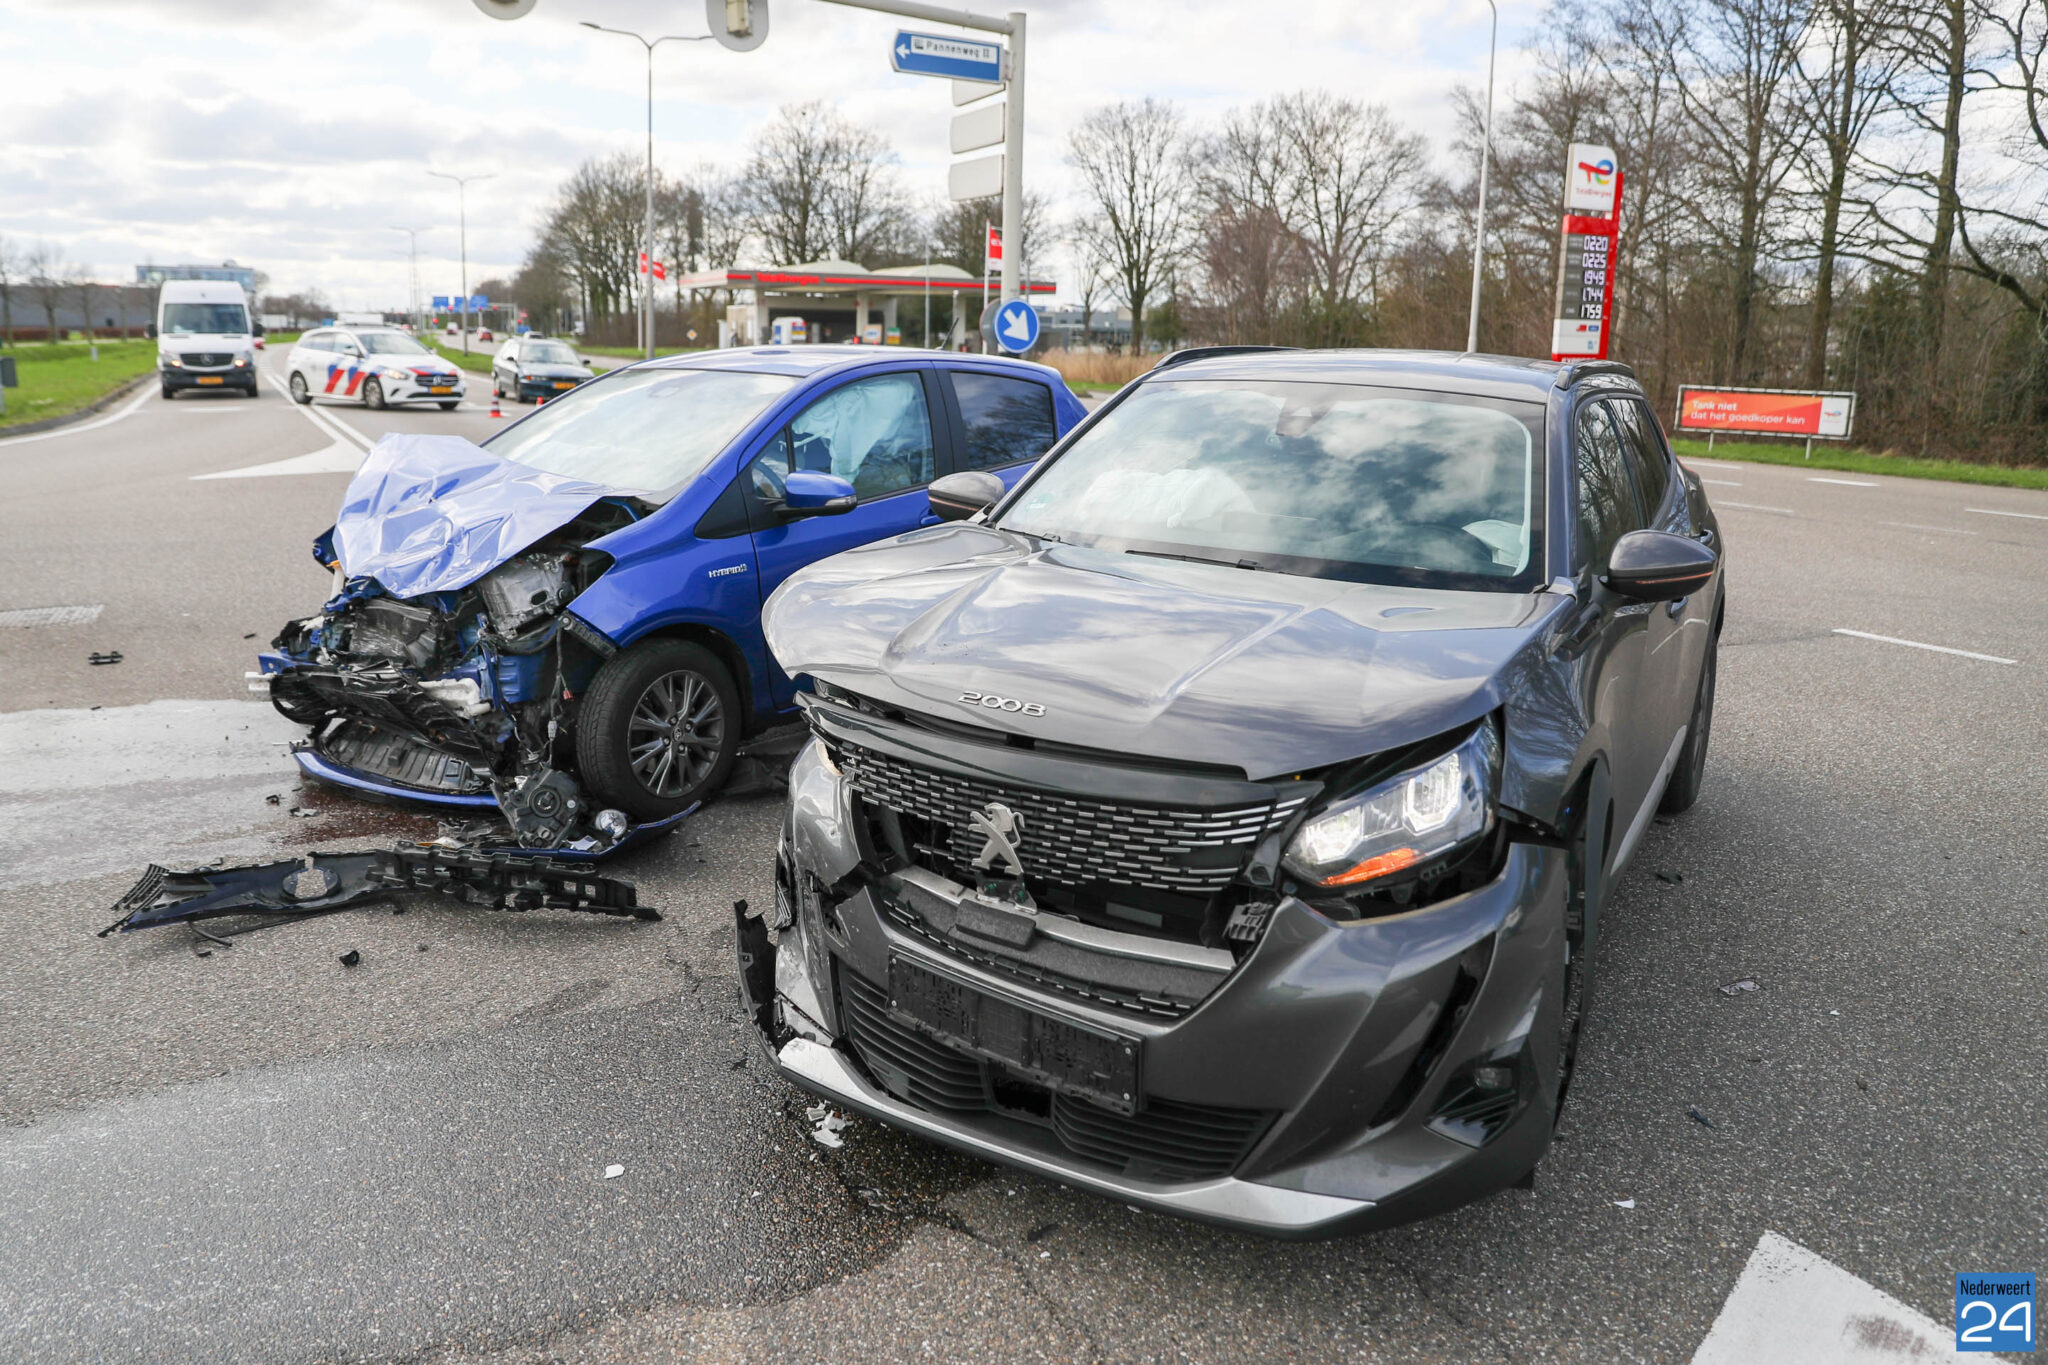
(1166, 1140)
(207, 360)
(1154, 1006)
(1076, 840)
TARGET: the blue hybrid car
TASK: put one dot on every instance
(565, 621)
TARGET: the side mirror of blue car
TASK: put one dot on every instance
(806, 493)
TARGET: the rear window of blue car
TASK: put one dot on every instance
(1007, 421)
(647, 433)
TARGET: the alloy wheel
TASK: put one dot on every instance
(675, 733)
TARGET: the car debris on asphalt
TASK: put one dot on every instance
(1742, 987)
(320, 883)
(111, 657)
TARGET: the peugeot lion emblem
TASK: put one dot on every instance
(1005, 830)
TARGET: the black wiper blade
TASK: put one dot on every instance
(1251, 564)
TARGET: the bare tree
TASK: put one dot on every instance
(1136, 186)
(43, 268)
(1732, 63)
(820, 186)
(1844, 74)
(594, 231)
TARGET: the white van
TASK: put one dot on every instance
(204, 337)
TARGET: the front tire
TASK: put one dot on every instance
(169, 392)
(300, 393)
(373, 395)
(1691, 772)
(659, 728)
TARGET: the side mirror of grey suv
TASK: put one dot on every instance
(959, 496)
(1656, 566)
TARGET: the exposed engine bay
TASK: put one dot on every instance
(469, 692)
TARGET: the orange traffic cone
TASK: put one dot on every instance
(540, 400)
(494, 404)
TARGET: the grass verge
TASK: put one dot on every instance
(634, 352)
(1865, 462)
(61, 379)
(476, 362)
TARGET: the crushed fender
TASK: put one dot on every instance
(323, 882)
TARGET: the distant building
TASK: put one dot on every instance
(226, 270)
(1065, 329)
(839, 301)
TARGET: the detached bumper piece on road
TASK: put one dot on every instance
(324, 882)
(1142, 1012)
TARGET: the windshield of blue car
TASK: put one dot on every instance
(217, 319)
(642, 432)
(390, 343)
(1376, 485)
(547, 353)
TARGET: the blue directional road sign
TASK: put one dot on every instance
(477, 303)
(1016, 327)
(934, 54)
(440, 303)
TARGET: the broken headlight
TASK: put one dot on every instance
(1404, 822)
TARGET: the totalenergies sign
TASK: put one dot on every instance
(1589, 179)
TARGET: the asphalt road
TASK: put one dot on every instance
(260, 1154)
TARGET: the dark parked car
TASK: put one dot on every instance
(582, 594)
(529, 368)
(1221, 821)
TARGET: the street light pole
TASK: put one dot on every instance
(1485, 154)
(462, 222)
(412, 273)
(647, 285)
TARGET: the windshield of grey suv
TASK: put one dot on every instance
(214, 318)
(643, 432)
(547, 353)
(1328, 480)
(390, 343)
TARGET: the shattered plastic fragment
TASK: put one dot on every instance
(614, 1172)
(1624, 1203)
(352, 958)
(111, 657)
(1738, 987)
(1671, 878)
(1693, 1112)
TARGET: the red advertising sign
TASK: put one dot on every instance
(1776, 412)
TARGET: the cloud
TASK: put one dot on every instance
(293, 134)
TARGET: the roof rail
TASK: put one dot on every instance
(1211, 352)
(1572, 371)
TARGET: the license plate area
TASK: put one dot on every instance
(1095, 1064)
(441, 388)
(211, 379)
(565, 383)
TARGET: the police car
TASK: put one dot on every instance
(374, 366)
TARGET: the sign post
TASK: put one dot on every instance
(1585, 276)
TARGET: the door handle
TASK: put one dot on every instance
(930, 519)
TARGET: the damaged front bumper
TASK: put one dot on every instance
(1334, 1078)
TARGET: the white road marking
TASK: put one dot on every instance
(52, 616)
(343, 456)
(1790, 1307)
(140, 398)
(1846, 483)
(1723, 483)
(1915, 644)
(1915, 526)
(1755, 507)
(1709, 464)
(1992, 512)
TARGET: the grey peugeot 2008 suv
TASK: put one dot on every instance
(1221, 820)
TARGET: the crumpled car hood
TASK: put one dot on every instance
(431, 513)
(1263, 672)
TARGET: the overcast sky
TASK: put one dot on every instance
(292, 135)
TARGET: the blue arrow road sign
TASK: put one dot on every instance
(440, 303)
(1016, 327)
(933, 54)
